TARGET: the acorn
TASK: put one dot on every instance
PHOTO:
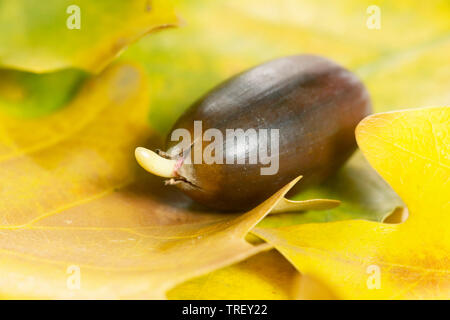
(259, 130)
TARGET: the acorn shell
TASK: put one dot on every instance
(313, 102)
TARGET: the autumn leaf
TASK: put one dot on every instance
(57, 130)
(265, 276)
(363, 259)
(348, 21)
(28, 95)
(361, 192)
(392, 79)
(54, 34)
(75, 199)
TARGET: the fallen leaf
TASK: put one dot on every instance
(27, 95)
(265, 276)
(361, 192)
(363, 259)
(286, 205)
(38, 38)
(349, 20)
(416, 77)
(74, 203)
(183, 64)
(307, 288)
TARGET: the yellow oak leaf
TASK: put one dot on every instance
(80, 219)
(375, 26)
(363, 259)
(265, 276)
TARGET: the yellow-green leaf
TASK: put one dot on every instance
(53, 34)
(28, 95)
(362, 259)
(286, 205)
(362, 194)
(265, 276)
(349, 21)
(412, 78)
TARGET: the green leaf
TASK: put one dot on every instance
(35, 34)
(27, 95)
(362, 192)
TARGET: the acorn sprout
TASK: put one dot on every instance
(259, 130)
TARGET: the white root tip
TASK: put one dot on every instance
(154, 163)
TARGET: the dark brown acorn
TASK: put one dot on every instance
(313, 102)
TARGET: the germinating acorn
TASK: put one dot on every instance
(257, 131)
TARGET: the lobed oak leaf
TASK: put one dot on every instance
(363, 259)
